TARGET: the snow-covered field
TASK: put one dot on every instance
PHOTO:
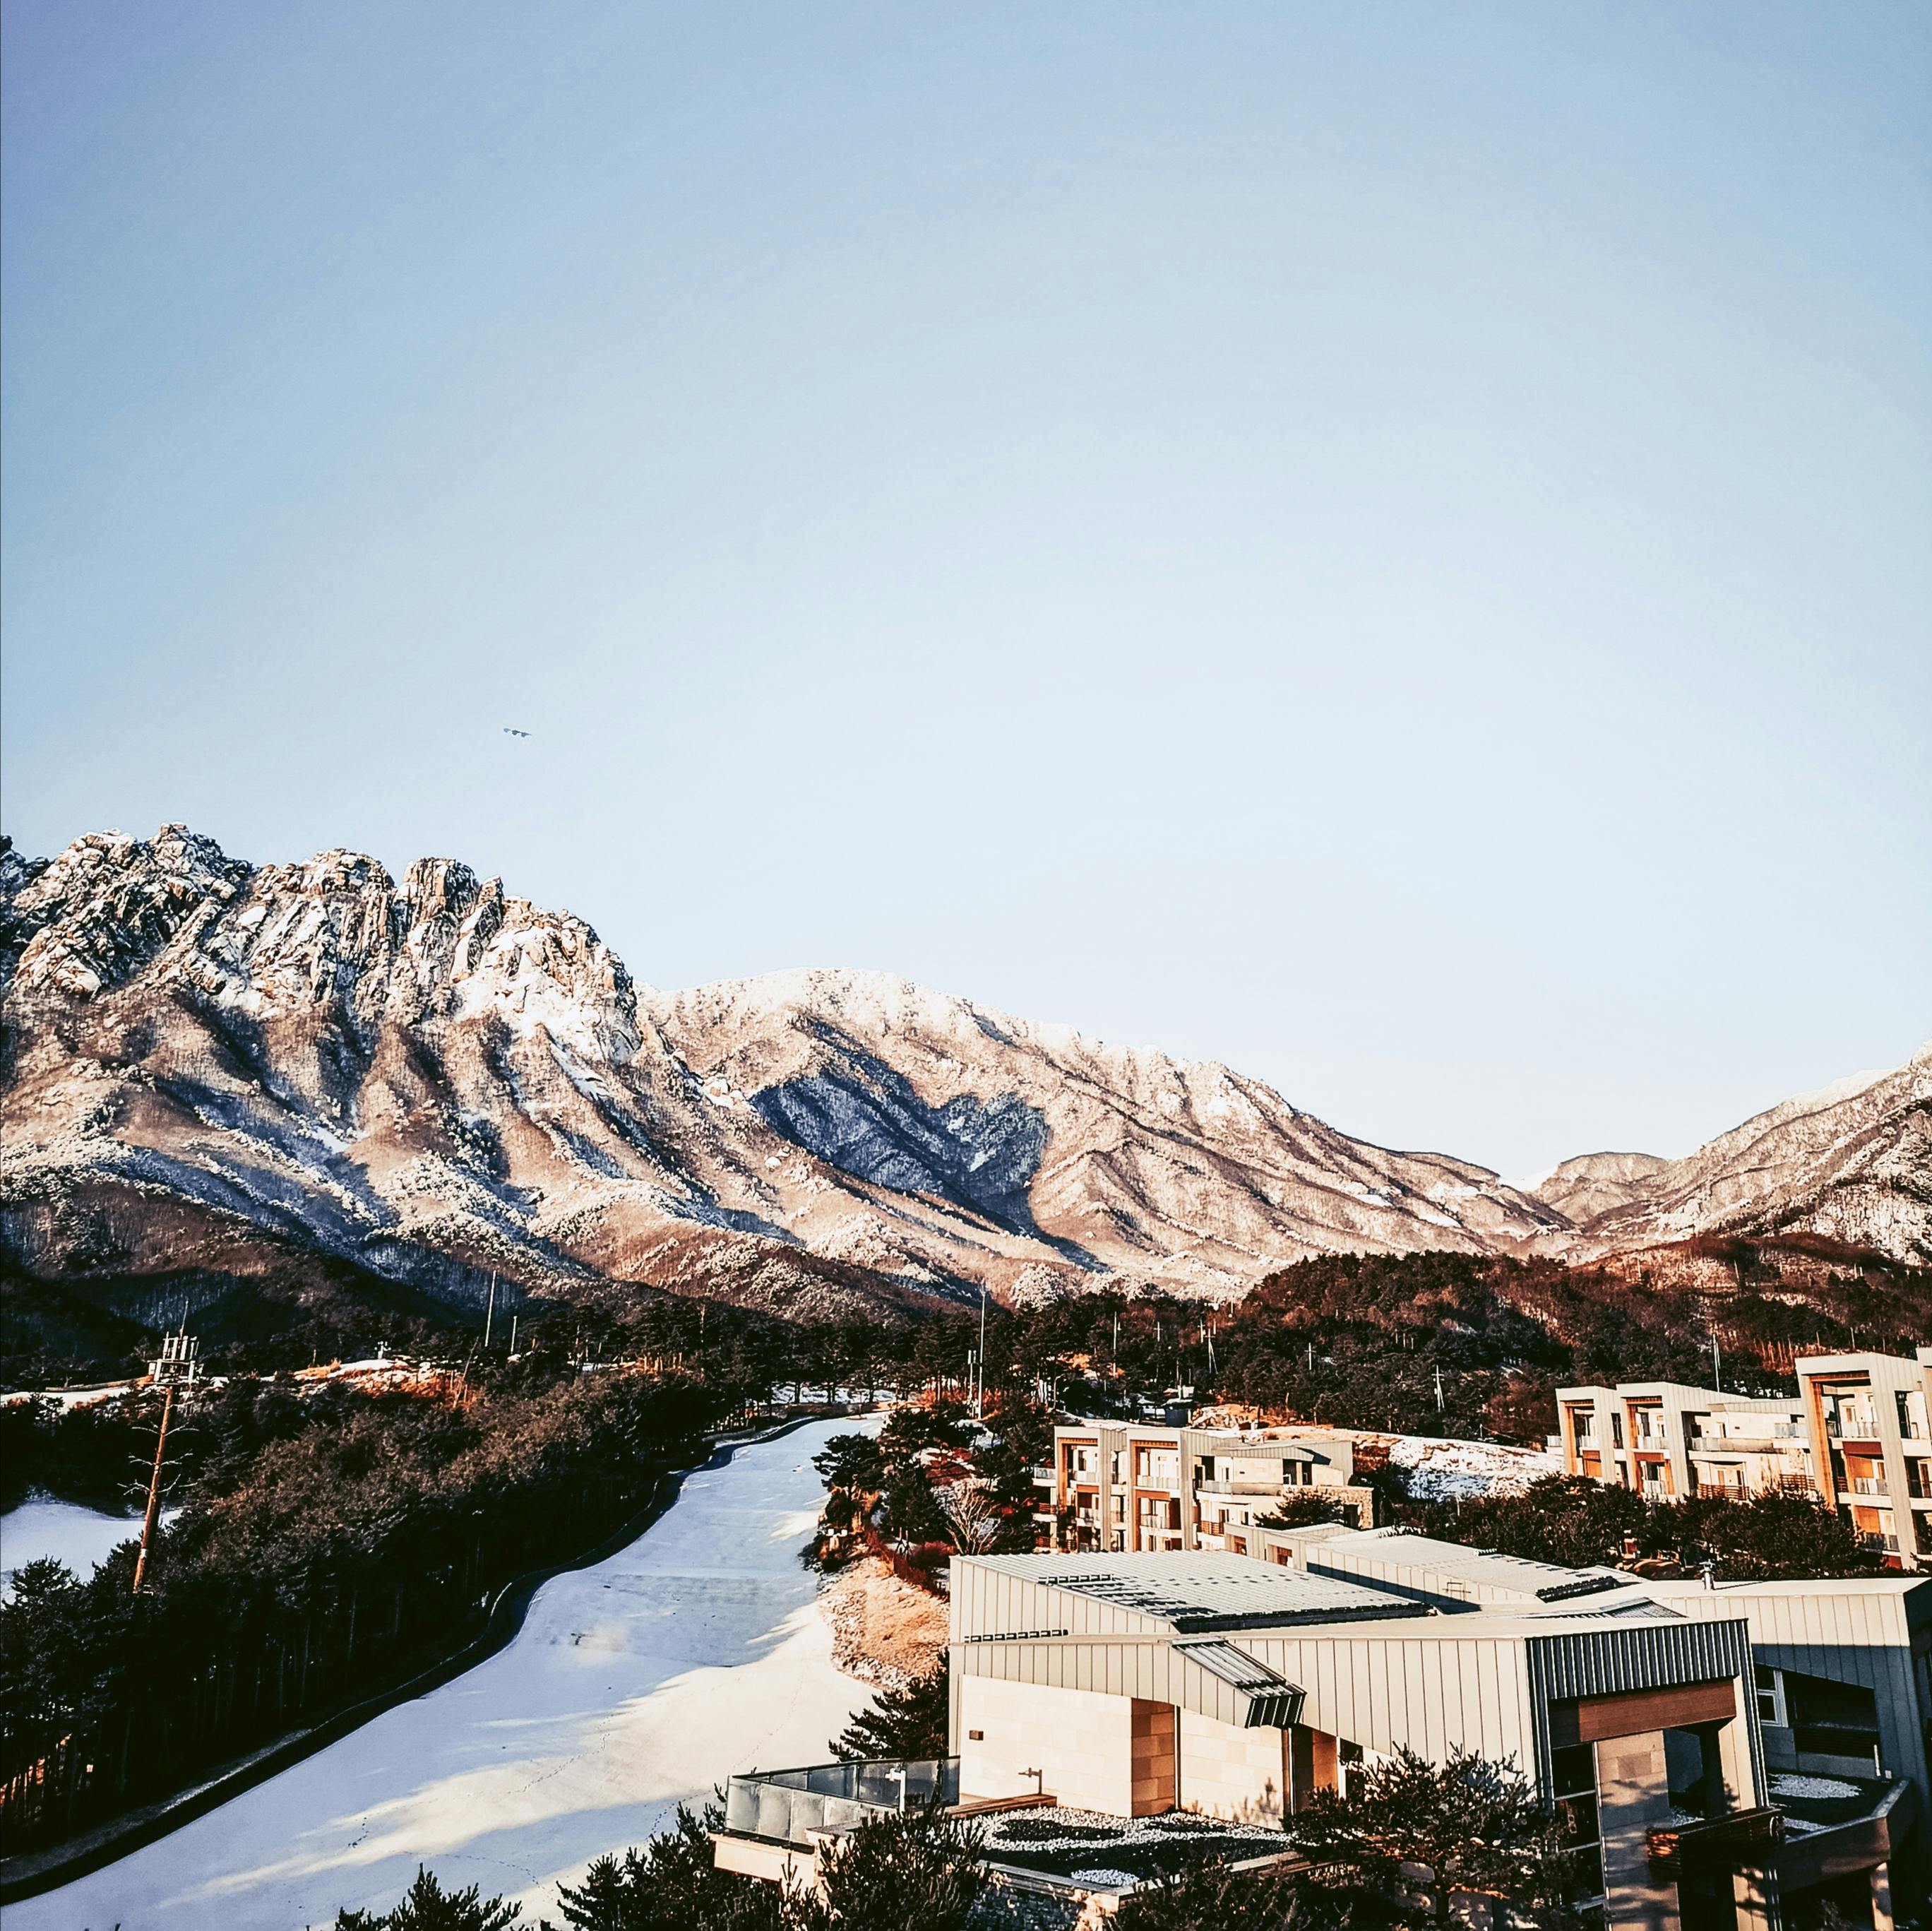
(81, 1538)
(696, 1652)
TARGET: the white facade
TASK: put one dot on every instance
(1234, 1687)
(1125, 1487)
(1858, 1435)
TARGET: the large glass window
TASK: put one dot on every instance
(1835, 1725)
(1573, 1781)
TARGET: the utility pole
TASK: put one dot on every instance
(1438, 1391)
(154, 1491)
(175, 1369)
(1716, 1365)
(489, 1313)
(513, 1333)
(980, 1398)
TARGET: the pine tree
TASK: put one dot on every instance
(673, 1884)
(426, 1906)
(1208, 1896)
(1475, 1827)
(907, 1723)
(920, 1867)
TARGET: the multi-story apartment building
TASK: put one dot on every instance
(1668, 1440)
(1858, 1435)
(1866, 1417)
(1121, 1486)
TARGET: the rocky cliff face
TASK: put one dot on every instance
(973, 1143)
(207, 1063)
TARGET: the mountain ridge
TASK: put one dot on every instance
(207, 1062)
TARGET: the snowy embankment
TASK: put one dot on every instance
(83, 1539)
(632, 1686)
(1439, 1470)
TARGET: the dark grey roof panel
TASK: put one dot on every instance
(1201, 1590)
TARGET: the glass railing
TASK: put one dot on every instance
(787, 1806)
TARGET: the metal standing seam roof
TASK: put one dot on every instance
(1423, 1555)
(1202, 1589)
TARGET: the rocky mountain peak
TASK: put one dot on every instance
(334, 931)
(436, 1080)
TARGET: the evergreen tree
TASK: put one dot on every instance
(426, 1906)
(1565, 1519)
(919, 1867)
(907, 1723)
(853, 1463)
(1207, 1896)
(1475, 1827)
(1303, 1509)
(1781, 1534)
(673, 1884)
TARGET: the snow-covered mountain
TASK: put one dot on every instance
(1851, 1163)
(208, 1063)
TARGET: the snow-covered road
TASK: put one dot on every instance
(697, 1651)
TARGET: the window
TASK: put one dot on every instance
(1835, 1722)
(1771, 1695)
(1572, 1776)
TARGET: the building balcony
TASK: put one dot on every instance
(1719, 1841)
(787, 1806)
(1258, 1485)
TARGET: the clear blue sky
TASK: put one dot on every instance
(1388, 545)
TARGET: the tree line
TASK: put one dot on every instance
(326, 1545)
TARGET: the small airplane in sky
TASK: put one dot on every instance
(510, 730)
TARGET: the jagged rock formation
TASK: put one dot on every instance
(208, 1064)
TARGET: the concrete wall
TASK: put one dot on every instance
(1081, 1743)
(1632, 1797)
(1229, 1773)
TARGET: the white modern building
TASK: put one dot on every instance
(1124, 1487)
(1713, 1755)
